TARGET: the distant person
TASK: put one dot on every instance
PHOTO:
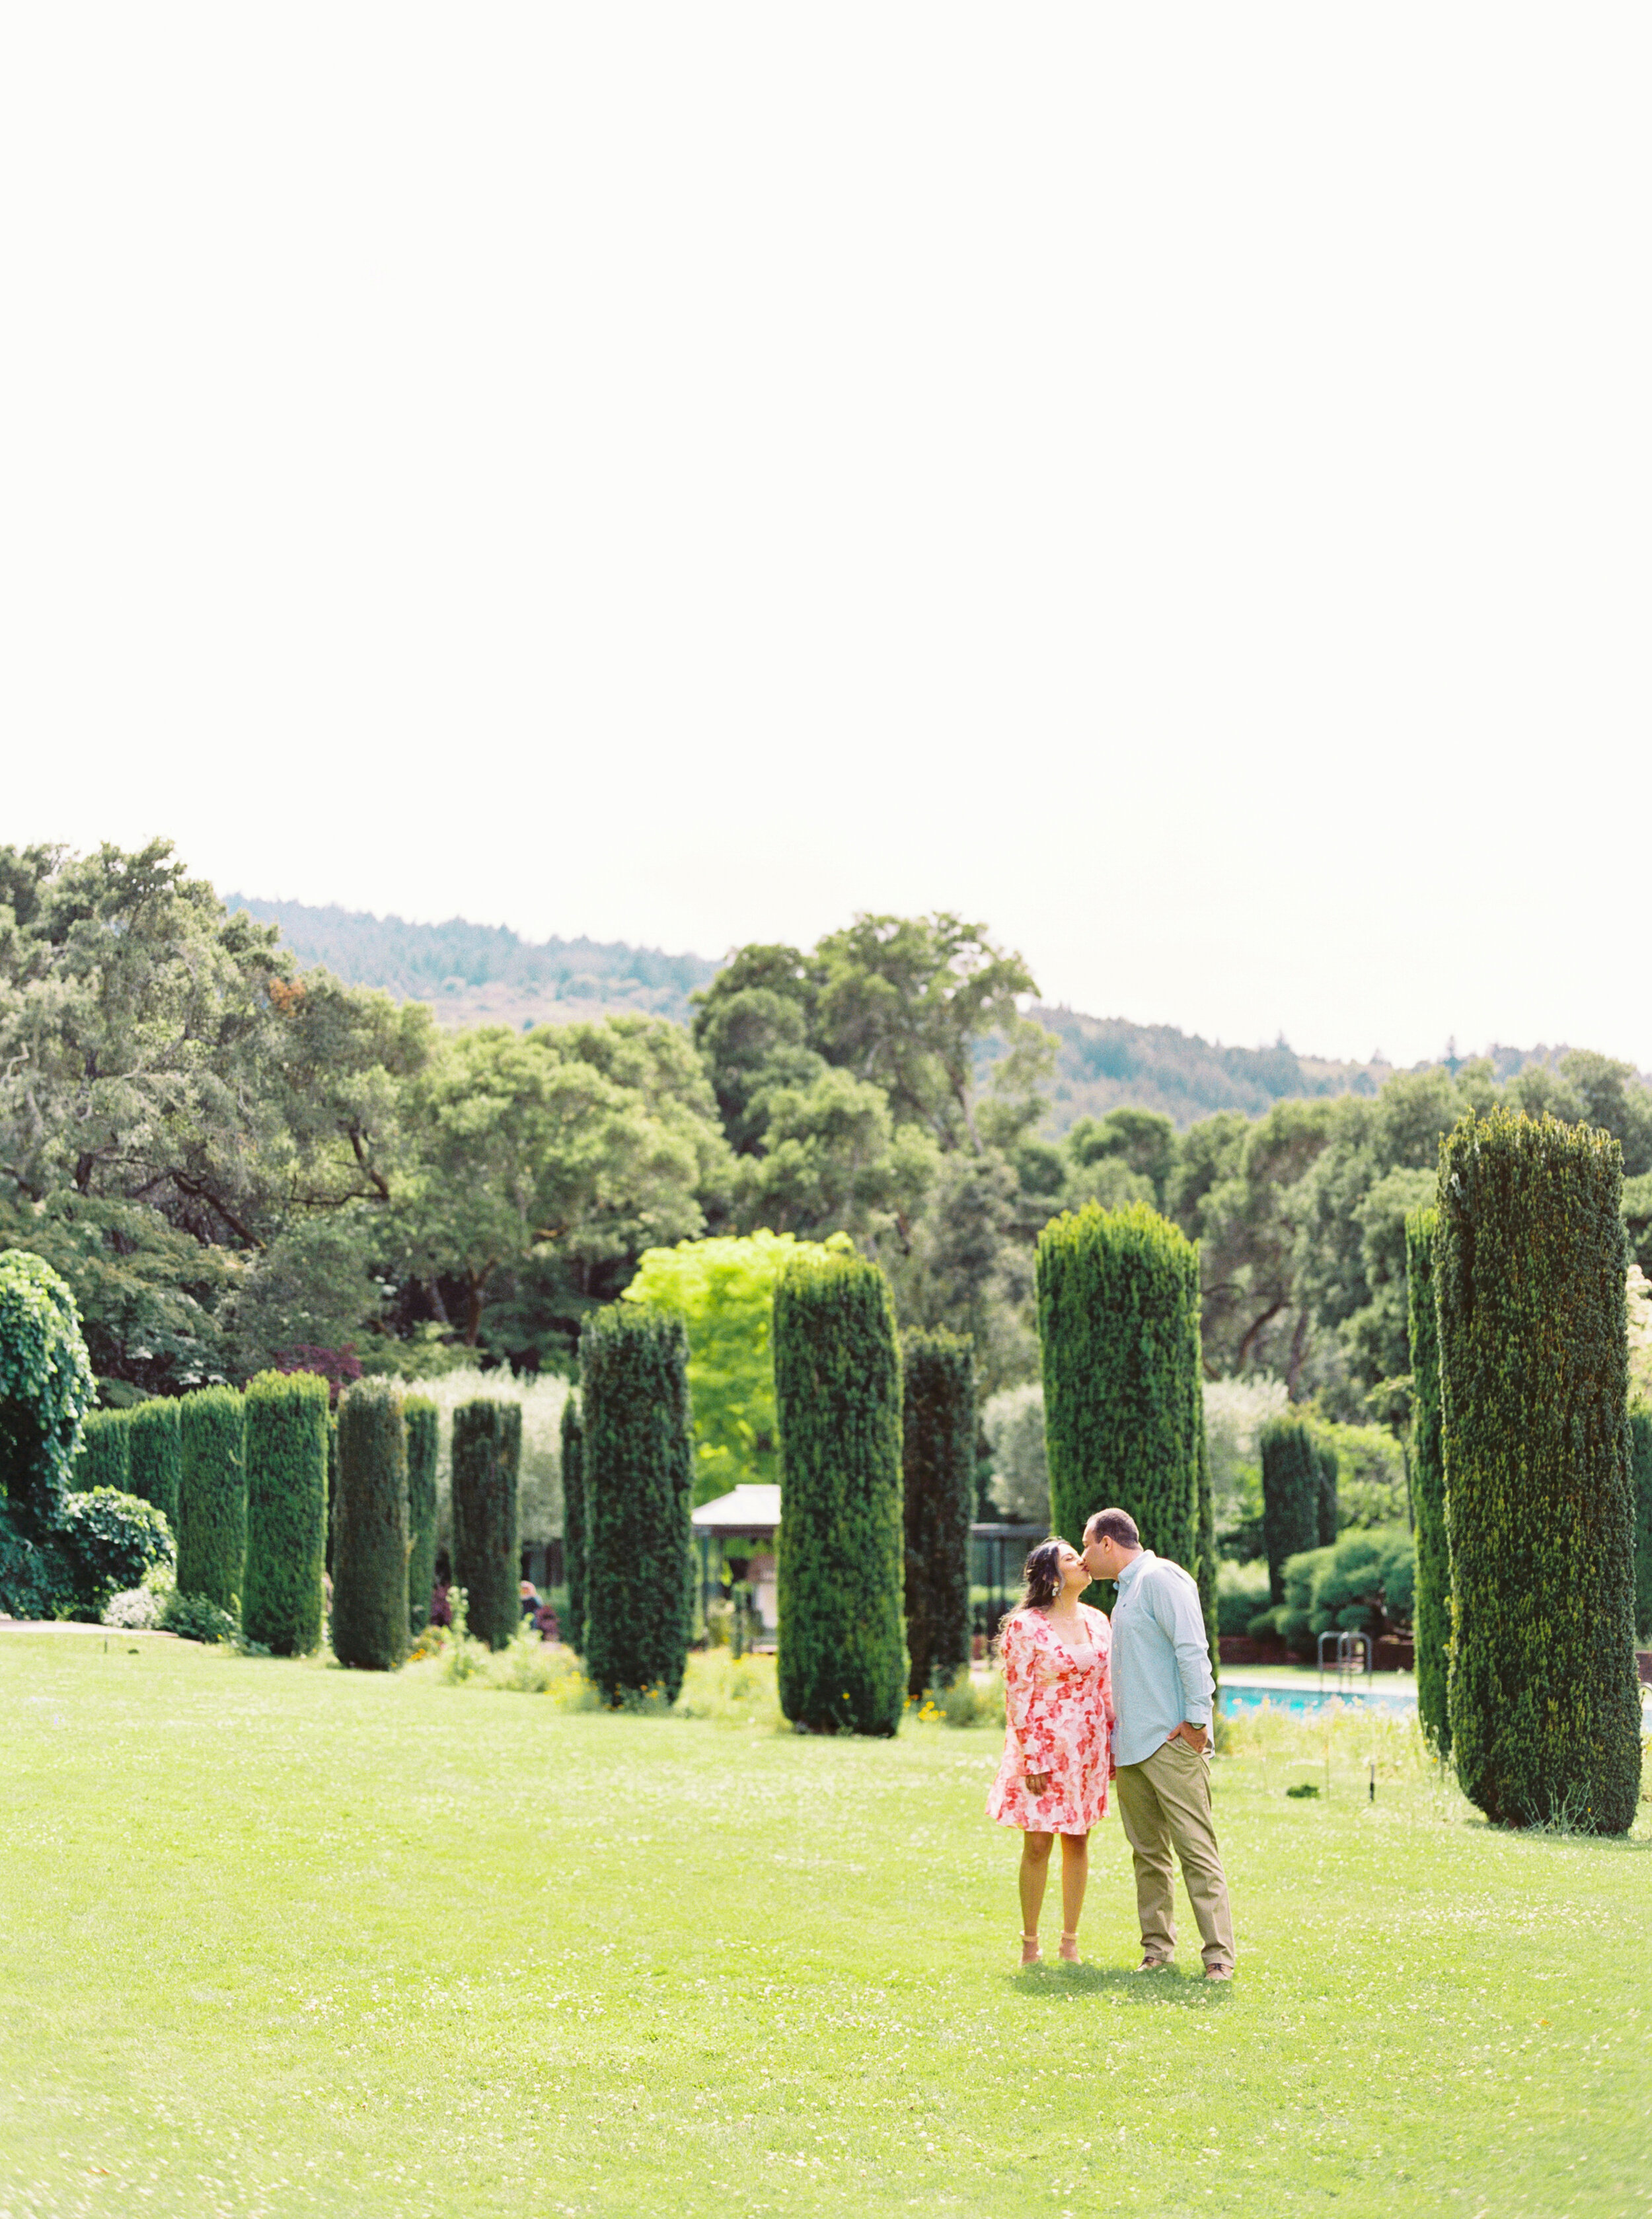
(1162, 1689)
(1059, 1711)
(531, 1598)
(441, 1604)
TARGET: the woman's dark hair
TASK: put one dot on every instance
(1042, 1576)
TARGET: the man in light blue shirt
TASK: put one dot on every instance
(1162, 1690)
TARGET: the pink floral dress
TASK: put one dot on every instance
(1058, 1706)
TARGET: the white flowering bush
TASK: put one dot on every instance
(136, 1610)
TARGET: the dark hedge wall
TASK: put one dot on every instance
(574, 1521)
(837, 1389)
(938, 1489)
(212, 1495)
(1530, 1264)
(1641, 1424)
(424, 1427)
(487, 1549)
(1326, 1502)
(1431, 1614)
(104, 1457)
(1291, 1481)
(1118, 1318)
(369, 1559)
(286, 1451)
(152, 1448)
(638, 1468)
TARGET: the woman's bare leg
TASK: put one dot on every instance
(1075, 1873)
(1035, 1871)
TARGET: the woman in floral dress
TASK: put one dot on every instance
(1058, 1738)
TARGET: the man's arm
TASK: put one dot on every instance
(1178, 1617)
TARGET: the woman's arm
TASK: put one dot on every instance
(1019, 1686)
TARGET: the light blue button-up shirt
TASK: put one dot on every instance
(1161, 1661)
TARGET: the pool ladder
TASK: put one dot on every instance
(1346, 1663)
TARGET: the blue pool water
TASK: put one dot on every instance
(1393, 1701)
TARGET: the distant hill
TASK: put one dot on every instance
(474, 974)
(1106, 1062)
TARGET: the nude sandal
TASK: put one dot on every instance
(1069, 1949)
(1030, 1952)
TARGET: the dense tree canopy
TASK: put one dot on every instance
(229, 1158)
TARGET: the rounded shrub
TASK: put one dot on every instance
(212, 1495)
(1291, 1481)
(1118, 1315)
(487, 1546)
(938, 1495)
(111, 1541)
(638, 1468)
(1530, 1263)
(153, 1440)
(837, 1387)
(103, 1458)
(1432, 1619)
(574, 1521)
(46, 1391)
(286, 1452)
(423, 1421)
(370, 1549)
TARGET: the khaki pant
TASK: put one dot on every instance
(1165, 1803)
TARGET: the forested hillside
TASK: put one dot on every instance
(485, 974)
(479, 973)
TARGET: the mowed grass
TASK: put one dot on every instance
(279, 1938)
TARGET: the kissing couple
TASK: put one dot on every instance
(1088, 1701)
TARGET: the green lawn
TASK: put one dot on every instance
(283, 1939)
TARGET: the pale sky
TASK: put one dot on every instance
(1171, 484)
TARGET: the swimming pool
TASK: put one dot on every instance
(1302, 1701)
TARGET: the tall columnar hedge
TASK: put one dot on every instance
(212, 1495)
(1432, 1616)
(152, 1446)
(46, 1390)
(486, 1547)
(286, 1510)
(574, 1521)
(1530, 1263)
(1641, 1458)
(1326, 1502)
(1118, 1318)
(103, 1458)
(424, 1426)
(370, 1539)
(1205, 1568)
(638, 1466)
(938, 1491)
(1291, 1481)
(837, 1387)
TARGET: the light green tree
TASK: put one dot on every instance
(723, 1291)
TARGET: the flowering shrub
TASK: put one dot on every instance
(138, 1610)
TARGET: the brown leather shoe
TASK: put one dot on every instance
(1219, 1972)
(1156, 1965)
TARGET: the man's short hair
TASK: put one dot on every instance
(1116, 1525)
